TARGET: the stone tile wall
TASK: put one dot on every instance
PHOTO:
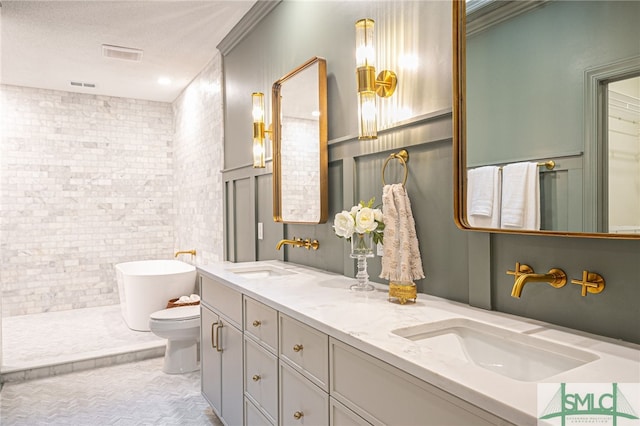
(85, 182)
(198, 161)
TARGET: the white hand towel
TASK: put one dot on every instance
(520, 196)
(483, 197)
(401, 260)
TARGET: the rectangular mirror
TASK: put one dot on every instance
(300, 158)
(548, 81)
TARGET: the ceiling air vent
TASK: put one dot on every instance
(119, 52)
(81, 84)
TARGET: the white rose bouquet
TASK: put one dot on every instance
(362, 218)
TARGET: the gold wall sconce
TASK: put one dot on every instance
(257, 111)
(368, 84)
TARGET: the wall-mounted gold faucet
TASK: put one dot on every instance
(524, 274)
(299, 242)
(191, 252)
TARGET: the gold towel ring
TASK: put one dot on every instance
(403, 157)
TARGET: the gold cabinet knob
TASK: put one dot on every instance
(298, 415)
(297, 348)
(257, 323)
(256, 377)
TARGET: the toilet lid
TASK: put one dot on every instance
(179, 313)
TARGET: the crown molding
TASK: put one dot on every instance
(246, 24)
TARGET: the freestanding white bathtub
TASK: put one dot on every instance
(146, 286)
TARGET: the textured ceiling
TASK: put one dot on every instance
(48, 44)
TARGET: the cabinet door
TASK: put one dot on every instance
(301, 402)
(210, 360)
(231, 347)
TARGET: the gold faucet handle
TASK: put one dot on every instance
(308, 244)
(590, 282)
(521, 269)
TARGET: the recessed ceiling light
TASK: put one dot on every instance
(164, 81)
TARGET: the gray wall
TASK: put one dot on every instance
(464, 266)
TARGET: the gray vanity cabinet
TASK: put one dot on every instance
(221, 350)
(261, 366)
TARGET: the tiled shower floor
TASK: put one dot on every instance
(115, 374)
(41, 345)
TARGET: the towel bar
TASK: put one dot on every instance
(403, 157)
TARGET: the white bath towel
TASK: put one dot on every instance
(483, 197)
(520, 196)
(401, 261)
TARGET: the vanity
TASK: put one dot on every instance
(288, 344)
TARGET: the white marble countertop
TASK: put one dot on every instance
(365, 320)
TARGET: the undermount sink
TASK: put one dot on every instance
(511, 354)
(260, 271)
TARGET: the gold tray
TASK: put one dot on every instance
(402, 292)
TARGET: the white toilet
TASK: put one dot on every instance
(181, 327)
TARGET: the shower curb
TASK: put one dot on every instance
(87, 362)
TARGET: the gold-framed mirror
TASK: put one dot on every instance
(549, 81)
(300, 138)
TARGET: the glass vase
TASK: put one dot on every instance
(361, 248)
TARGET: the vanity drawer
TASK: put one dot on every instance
(221, 298)
(305, 349)
(261, 378)
(253, 416)
(383, 394)
(261, 323)
(301, 402)
(339, 415)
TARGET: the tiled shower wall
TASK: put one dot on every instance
(85, 182)
(198, 160)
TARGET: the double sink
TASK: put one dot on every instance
(516, 355)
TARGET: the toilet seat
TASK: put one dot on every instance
(174, 319)
(180, 313)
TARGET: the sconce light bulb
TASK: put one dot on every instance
(258, 153)
(258, 114)
(365, 50)
(365, 56)
(258, 149)
(368, 110)
(257, 102)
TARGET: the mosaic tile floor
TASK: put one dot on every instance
(137, 393)
(71, 340)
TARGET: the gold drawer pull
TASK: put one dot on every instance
(297, 348)
(257, 323)
(213, 334)
(256, 377)
(218, 347)
(298, 415)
